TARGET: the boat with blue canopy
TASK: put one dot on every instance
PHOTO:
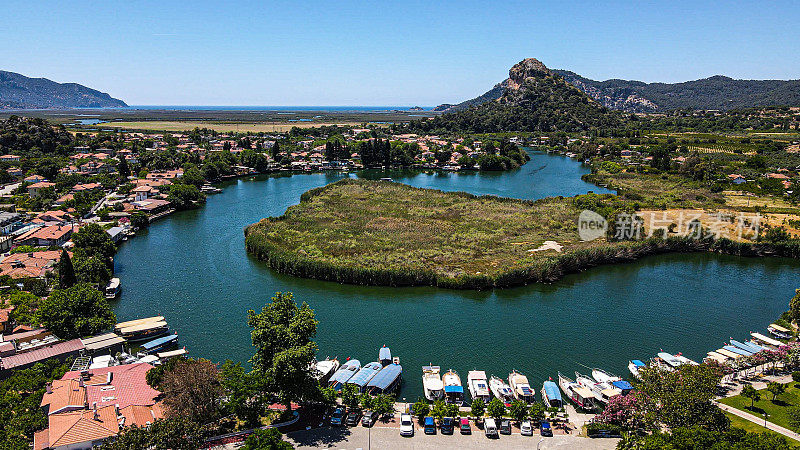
(635, 366)
(738, 350)
(623, 386)
(363, 376)
(387, 380)
(385, 356)
(343, 375)
(159, 344)
(747, 346)
(551, 395)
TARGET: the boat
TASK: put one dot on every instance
(113, 288)
(385, 356)
(387, 380)
(728, 353)
(432, 383)
(779, 331)
(159, 344)
(132, 323)
(684, 360)
(453, 390)
(345, 372)
(747, 346)
(478, 386)
(738, 350)
(601, 393)
(208, 189)
(325, 368)
(551, 395)
(670, 360)
(144, 331)
(501, 390)
(580, 395)
(623, 386)
(520, 387)
(363, 376)
(716, 357)
(601, 376)
(635, 366)
(767, 340)
(171, 354)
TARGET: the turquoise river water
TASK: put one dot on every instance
(193, 269)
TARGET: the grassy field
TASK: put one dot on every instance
(738, 422)
(370, 232)
(659, 191)
(777, 410)
(239, 127)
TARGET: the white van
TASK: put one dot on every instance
(490, 428)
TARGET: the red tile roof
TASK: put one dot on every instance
(40, 354)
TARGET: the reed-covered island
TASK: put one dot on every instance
(385, 233)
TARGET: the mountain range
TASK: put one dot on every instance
(717, 92)
(20, 92)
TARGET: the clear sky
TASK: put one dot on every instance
(382, 53)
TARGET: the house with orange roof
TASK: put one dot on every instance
(48, 235)
(9, 158)
(86, 187)
(85, 408)
(30, 265)
(36, 188)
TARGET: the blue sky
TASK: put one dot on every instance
(382, 53)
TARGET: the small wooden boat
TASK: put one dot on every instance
(144, 331)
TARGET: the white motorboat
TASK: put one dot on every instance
(325, 368)
(635, 366)
(580, 395)
(453, 390)
(601, 376)
(601, 392)
(432, 383)
(113, 288)
(520, 387)
(501, 390)
(478, 385)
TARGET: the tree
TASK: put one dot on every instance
(75, 312)
(184, 196)
(452, 410)
(269, 439)
(518, 410)
(193, 176)
(776, 389)
(537, 412)
(439, 409)
(383, 405)
(92, 240)
(350, 395)
(66, 273)
(794, 306)
(420, 409)
(496, 408)
(794, 418)
(683, 397)
(243, 397)
(139, 219)
(192, 390)
(478, 408)
(750, 392)
(697, 438)
(282, 334)
(366, 401)
(796, 376)
(92, 269)
(173, 433)
(123, 168)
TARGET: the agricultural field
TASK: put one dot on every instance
(234, 127)
(659, 191)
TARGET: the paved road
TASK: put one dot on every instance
(9, 189)
(760, 421)
(389, 438)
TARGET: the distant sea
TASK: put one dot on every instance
(278, 108)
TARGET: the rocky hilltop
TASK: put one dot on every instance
(717, 92)
(20, 92)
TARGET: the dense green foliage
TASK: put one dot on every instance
(269, 439)
(20, 396)
(695, 438)
(33, 137)
(175, 434)
(75, 312)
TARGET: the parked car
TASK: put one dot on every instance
(447, 425)
(545, 429)
(526, 429)
(406, 425)
(490, 428)
(430, 425)
(464, 427)
(505, 426)
(369, 418)
(353, 418)
(337, 418)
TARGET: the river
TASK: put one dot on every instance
(192, 268)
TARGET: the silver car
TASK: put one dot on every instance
(526, 429)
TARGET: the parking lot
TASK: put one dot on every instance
(385, 437)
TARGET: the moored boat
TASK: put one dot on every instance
(634, 366)
(601, 393)
(580, 395)
(432, 383)
(738, 350)
(747, 346)
(478, 385)
(385, 356)
(324, 369)
(601, 376)
(113, 288)
(345, 372)
(520, 387)
(670, 360)
(144, 331)
(551, 395)
(363, 376)
(766, 340)
(159, 344)
(453, 390)
(387, 380)
(779, 331)
(501, 390)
